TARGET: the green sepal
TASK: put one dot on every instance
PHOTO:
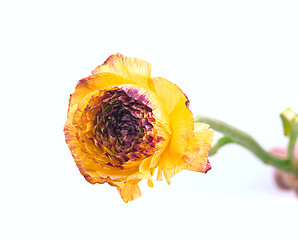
(290, 123)
(288, 118)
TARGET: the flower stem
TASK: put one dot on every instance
(292, 140)
(233, 135)
(220, 143)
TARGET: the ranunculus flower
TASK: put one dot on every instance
(122, 124)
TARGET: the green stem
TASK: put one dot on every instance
(220, 143)
(233, 135)
(292, 140)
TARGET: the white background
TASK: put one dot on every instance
(236, 61)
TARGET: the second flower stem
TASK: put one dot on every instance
(233, 135)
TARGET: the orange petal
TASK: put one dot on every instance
(128, 190)
(144, 174)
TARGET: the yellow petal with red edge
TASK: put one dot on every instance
(94, 168)
(86, 165)
(196, 155)
(130, 68)
(96, 82)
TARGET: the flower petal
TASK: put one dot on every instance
(169, 93)
(128, 190)
(86, 166)
(169, 166)
(93, 165)
(96, 82)
(129, 68)
(196, 154)
(181, 122)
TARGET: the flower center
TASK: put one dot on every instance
(124, 127)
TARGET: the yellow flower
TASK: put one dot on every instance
(122, 124)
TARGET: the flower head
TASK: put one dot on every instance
(122, 124)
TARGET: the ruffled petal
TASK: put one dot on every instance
(86, 165)
(196, 155)
(129, 68)
(92, 163)
(181, 122)
(169, 166)
(115, 71)
(96, 82)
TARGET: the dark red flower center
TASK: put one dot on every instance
(124, 127)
